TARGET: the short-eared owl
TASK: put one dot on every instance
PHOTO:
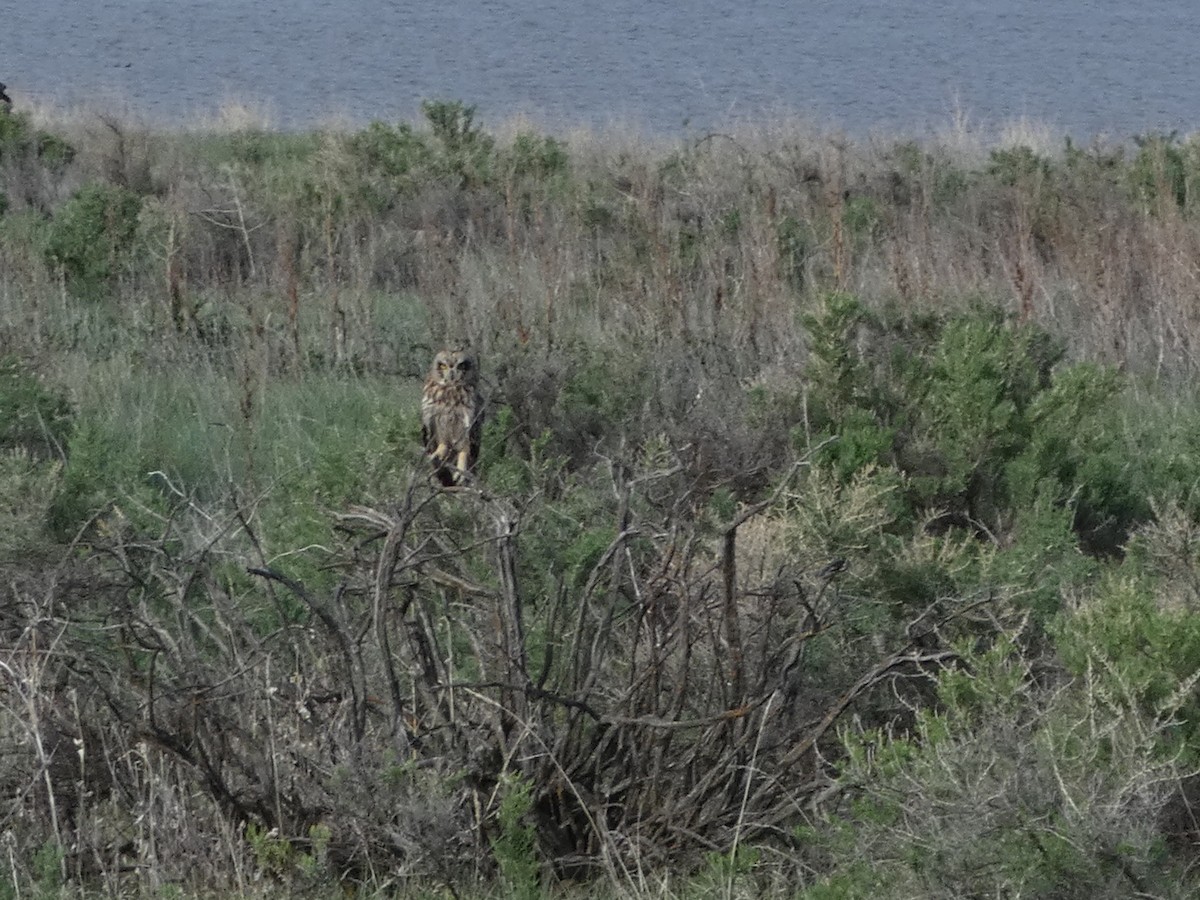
(452, 415)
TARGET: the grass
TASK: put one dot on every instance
(189, 424)
(817, 474)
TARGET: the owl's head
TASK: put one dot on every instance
(456, 366)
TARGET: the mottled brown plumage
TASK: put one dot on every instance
(452, 415)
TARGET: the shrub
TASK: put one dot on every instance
(455, 148)
(1142, 653)
(1160, 171)
(538, 157)
(29, 158)
(1076, 456)
(91, 236)
(971, 399)
(837, 373)
(1017, 165)
(979, 417)
(515, 843)
(33, 417)
(392, 151)
(1007, 787)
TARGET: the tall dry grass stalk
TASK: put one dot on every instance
(715, 240)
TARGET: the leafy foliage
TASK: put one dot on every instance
(455, 147)
(976, 415)
(515, 842)
(91, 237)
(33, 416)
(1002, 790)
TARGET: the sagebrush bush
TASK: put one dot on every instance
(1010, 786)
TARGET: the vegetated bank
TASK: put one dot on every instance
(835, 531)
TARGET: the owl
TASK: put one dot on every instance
(452, 415)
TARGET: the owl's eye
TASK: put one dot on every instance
(465, 364)
(441, 367)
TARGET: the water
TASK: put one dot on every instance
(1087, 67)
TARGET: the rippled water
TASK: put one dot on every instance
(1081, 66)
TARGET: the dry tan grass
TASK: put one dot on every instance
(716, 238)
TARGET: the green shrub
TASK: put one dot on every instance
(1017, 165)
(515, 843)
(32, 163)
(499, 461)
(1007, 788)
(48, 871)
(33, 417)
(91, 236)
(467, 152)
(1142, 653)
(972, 396)
(951, 404)
(16, 135)
(922, 173)
(263, 149)
(1159, 171)
(286, 862)
(96, 465)
(35, 426)
(861, 218)
(536, 156)
(392, 151)
(861, 442)
(594, 395)
(20, 142)
(1042, 557)
(990, 432)
(1076, 455)
(838, 376)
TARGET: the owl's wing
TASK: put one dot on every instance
(428, 409)
(475, 433)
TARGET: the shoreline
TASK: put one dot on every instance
(241, 112)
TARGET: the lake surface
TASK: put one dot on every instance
(1083, 67)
